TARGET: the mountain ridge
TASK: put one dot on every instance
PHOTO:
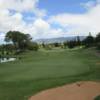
(59, 39)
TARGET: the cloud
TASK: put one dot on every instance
(38, 28)
(18, 5)
(15, 20)
(42, 29)
(80, 24)
(60, 25)
(22, 6)
(89, 4)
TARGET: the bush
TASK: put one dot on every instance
(48, 47)
(57, 44)
(88, 41)
(18, 52)
(98, 46)
(97, 39)
(33, 46)
(71, 44)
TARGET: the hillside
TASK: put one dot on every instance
(58, 40)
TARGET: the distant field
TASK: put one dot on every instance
(36, 71)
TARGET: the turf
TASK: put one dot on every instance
(36, 71)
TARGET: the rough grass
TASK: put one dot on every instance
(41, 70)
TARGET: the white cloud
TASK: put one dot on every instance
(15, 21)
(43, 29)
(69, 24)
(18, 5)
(23, 6)
(41, 24)
(89, 4)
(80, 23)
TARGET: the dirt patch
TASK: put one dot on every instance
(75, 91)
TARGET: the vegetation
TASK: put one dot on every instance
(98, 41)
(32, 46)
(53, 65)
(89, 41)
(44, 69)
(22, 42)
(19, 39)
(16, 43)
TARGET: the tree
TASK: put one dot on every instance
(18, 39)
(97, 39)
(43, 45)
(56, 44)
(65, 44)
(78, 41)
(9, 48)
(2, 49)
(71, 44)
(88, 41)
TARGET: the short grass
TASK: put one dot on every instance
(37, 71)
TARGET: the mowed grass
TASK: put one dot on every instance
(36, 71)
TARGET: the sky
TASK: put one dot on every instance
(50, 18)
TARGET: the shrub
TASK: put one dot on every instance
(98, 46)
(18, 52)
(33, 46)
(71, 44)
(88, 41)
(48, 47)
(97, 39)
(57, 44)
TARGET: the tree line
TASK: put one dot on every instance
(88, 41)
(17, 42)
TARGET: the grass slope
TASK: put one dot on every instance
(37, 71)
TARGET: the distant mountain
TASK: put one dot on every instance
(59, 40)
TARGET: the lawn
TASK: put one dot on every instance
(36, 71)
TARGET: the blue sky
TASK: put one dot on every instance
(62, 6)
(50, 18)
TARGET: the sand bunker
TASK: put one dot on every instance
(76, 91)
